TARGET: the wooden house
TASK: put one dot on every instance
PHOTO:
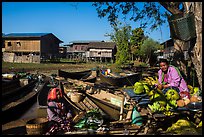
(76, 50)
(62, 51)
(101, 51)
(168, 51)
(175, 49)
(30, 47)
(2, 44)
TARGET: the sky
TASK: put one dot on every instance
(68, 21)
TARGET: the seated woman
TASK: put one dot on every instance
(170, 77)
(58, 116)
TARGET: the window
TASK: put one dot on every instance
(18, 44)
(9, 44)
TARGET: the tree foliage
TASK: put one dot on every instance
(147, 51)
(128, 41)
(121, 36)
(136, 40)
(149, 13)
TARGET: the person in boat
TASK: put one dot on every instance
(40, 78)
(169, 76)
(58, 115)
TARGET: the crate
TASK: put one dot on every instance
(182, 26)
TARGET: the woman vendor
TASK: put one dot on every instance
(169, 77)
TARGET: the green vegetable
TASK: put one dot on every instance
(138, 88)
(172, 94)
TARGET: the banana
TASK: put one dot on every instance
(151, 78)
(195, 89)
(148, 81)
(190, 87)
(153, 81)
(168, 113)
(156, 79)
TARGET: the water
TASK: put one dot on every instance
(31, 112)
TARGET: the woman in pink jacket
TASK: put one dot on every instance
(170, 77)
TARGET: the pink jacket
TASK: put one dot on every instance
(174, 79)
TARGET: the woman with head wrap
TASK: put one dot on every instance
(58, 115)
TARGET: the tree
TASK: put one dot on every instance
(136, 40)
(147, 50)
(150, 13)
(121, 36)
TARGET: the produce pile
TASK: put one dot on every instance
(160, 102)
(183, 126)
(91, 120)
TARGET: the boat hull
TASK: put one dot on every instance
(75, 75)
(75, 107)
(15, 109)
(128, 80)
(111, 110)
(16, 93)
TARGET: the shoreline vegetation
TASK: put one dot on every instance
(51, 68)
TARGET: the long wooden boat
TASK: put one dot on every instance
(75, 107)
(8, 85)
(18, 104)
(109, 101)
(91, 79)
(11, 81)
(127, 79)
(75, 75)
(17, 90)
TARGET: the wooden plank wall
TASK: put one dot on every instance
(22, 45)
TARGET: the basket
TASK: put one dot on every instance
(182, 27)
(36, 126)
(77, 97)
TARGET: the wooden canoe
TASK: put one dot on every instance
(8, 85)
(75, 75)
(12, 83)
(11, 110)
(75, 107)
(21, 88)
(91, 79)
(109, 103)
(120, 81)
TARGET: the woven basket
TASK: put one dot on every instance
(37, 126)
(77, 97)
(182, 27)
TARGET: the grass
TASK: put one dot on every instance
(7, 67)
(67, 66)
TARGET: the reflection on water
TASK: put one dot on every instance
(31, 112)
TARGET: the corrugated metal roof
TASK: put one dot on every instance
(25, 34)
